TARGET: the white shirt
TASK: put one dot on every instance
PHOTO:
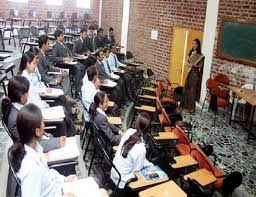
(114, 62)
(88, 92)
(101, 112)
(110, 74)
(37, 180)
(35, 87)
(135, 160)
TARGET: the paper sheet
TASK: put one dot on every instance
(51, 113)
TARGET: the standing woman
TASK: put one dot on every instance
(193, 83)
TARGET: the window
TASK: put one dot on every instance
(54, 2)
(83, 3)
(19, 1)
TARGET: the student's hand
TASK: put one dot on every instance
(59, 79)
(120, 132)
(49, 90)
(70, 178)
(62, 141)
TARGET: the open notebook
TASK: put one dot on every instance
(55, 92)
(82, 187)
(66, 153)
(53, 113)
(152, 173)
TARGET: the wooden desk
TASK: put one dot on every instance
(142, 183)
(110, 103)
(166, 136)
(167, 189)
(202, 176)
(146, 108)
(149, 89)
(184, 161)
(145, 96)
(250, 97)
(115, 120)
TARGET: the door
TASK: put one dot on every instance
(181, 45)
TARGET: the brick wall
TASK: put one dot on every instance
(112, 13)
(147, 15)
(69, 6)
(238, 74)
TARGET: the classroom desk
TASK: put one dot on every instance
(149, 89)
(167, 189)
(4, 55)
(142, 183)
(184, 161)
(250, 97)
(115, 120)
(24, 44)
(145, 96)
(146, 108)
(166, 136)
(202, 176)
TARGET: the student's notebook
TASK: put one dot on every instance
(53, 113)
(82, 188)
(152, 173)
(66, 153)
(54, 92)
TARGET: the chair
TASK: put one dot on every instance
(34, 33)
(216, 97)
(3, 78)
(14, 139)
(10, 162)
(230, 182)
(195, 189)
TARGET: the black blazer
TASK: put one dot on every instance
(88, 43)
(59, 51)
(101, 70)
(79, 47)
(110, 131)
(98, 42)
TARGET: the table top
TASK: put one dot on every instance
(248, 95)
(103, 192)
(184, 161)
(202, 176)
(166, 136)
(145, 96)
(146, 108)
(149, 89)
(115, 120)
(142, 183)
(167, 189)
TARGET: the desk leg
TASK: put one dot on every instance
(232, 106)
(251, 123)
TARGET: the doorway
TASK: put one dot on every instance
(181, 45)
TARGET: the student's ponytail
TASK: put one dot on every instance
(18, 155)
(141, 125)
(6, 108)
(93, 110)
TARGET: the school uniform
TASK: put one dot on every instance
(98, 42)
(108, 40)
(135, 160)
(89, 43)
(37, 180)
(79, 46)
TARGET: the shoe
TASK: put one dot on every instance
(71, 101)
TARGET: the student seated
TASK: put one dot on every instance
(97, 112)
(109, 38)
(29, 161)
(27, 68)
(89, 39)
(63, 56)
(79, 45)
(131, 153)
(98, 41)
(18, 87)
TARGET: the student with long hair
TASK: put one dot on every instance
(131, 153)
(18, 87)
(97, 112)
(29, 161)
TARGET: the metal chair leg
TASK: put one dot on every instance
(203, 106)
(87, 146)
(90, 167)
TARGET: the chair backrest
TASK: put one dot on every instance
(34, 31)
(202, 159)
(159, 105)
(10, 162)
(222, 79)
(183, 138)
(164, 119)
(107, 159)
(178, 94)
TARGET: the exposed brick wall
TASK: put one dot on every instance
(69, 6)
(238, 74)
(112, 13)
(147, 15)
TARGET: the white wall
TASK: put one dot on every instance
(125, 24)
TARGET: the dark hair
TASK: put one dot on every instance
(27, 57)
(57, 33)
(141, 125)
(90, 61)
(198, 50)
(42, 40)
(28, 120)
(98, 99)
(83, 30)
(99, 30)
(105, 49)
(17, 86)
(91, 27)
(98, 51)
(112, 45)
(34, 50)
(91, 72)
(111, 29)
